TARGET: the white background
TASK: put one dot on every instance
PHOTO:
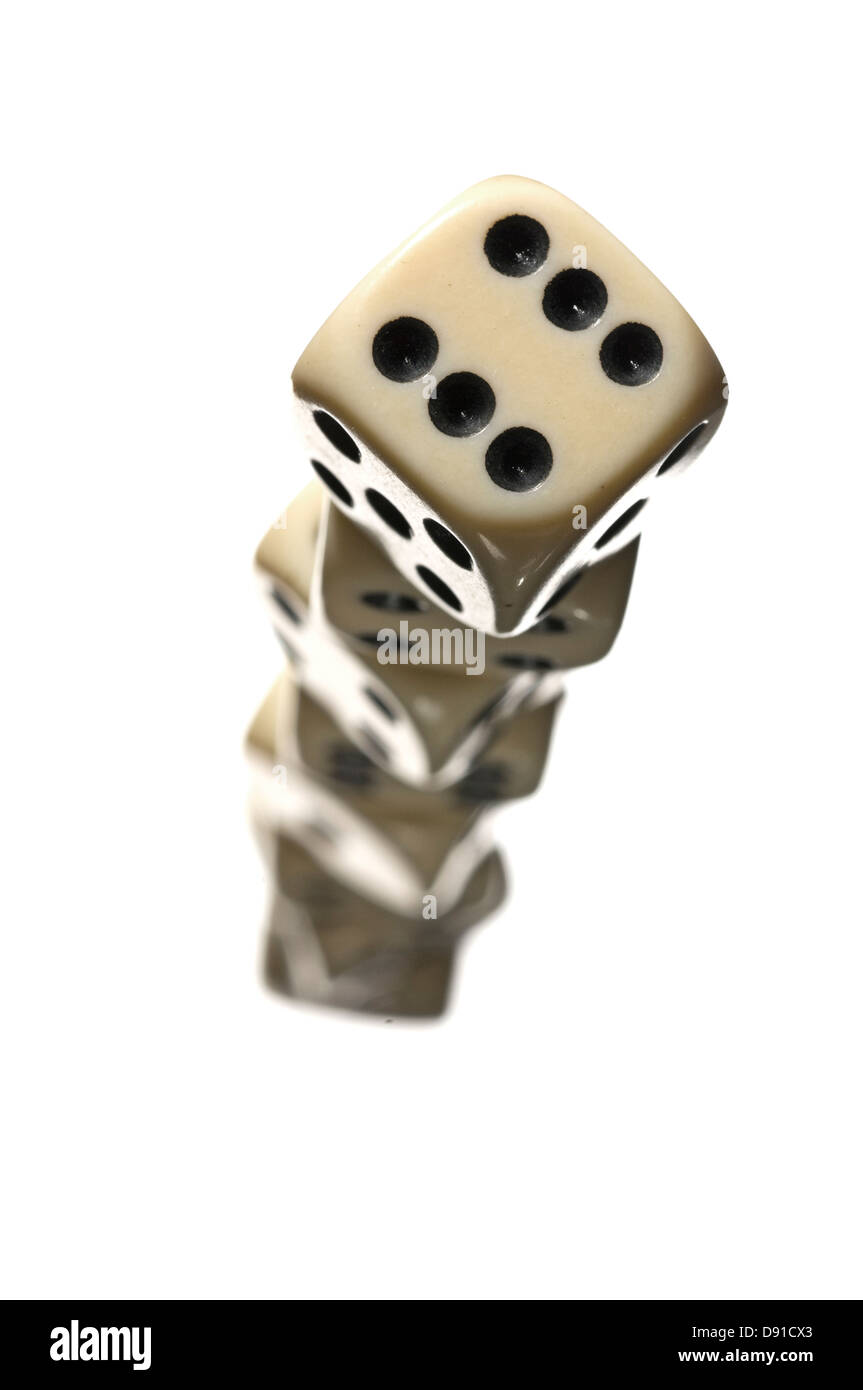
(649, 1083)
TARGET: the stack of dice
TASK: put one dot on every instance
(488, 415)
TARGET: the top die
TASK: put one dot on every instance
(500, 397)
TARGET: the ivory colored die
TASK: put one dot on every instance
(329, 945)
(425, 731)
(394, 856)
(501, 396)
(509, 767)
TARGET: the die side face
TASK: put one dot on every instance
(347, 927)
(300, 877)
(309, 735)
(510, 767)
(419, 730)
(513, 764)
(384, 708)
(579, 623)
(285, 563)
(394, 980)
(379, 851)
(340, 928)
(370, 603)
(414, 984)
(434, 836)
(287, 801)
(510, 363)
(450, 713)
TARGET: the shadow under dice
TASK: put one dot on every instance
(500, 399)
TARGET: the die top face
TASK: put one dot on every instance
(520, 313)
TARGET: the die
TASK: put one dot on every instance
(394, 857)
(350, 926)
(425, 732)
(408, 981)
(509, 767)
(500, 398)
(366, 599)
(329, 945)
